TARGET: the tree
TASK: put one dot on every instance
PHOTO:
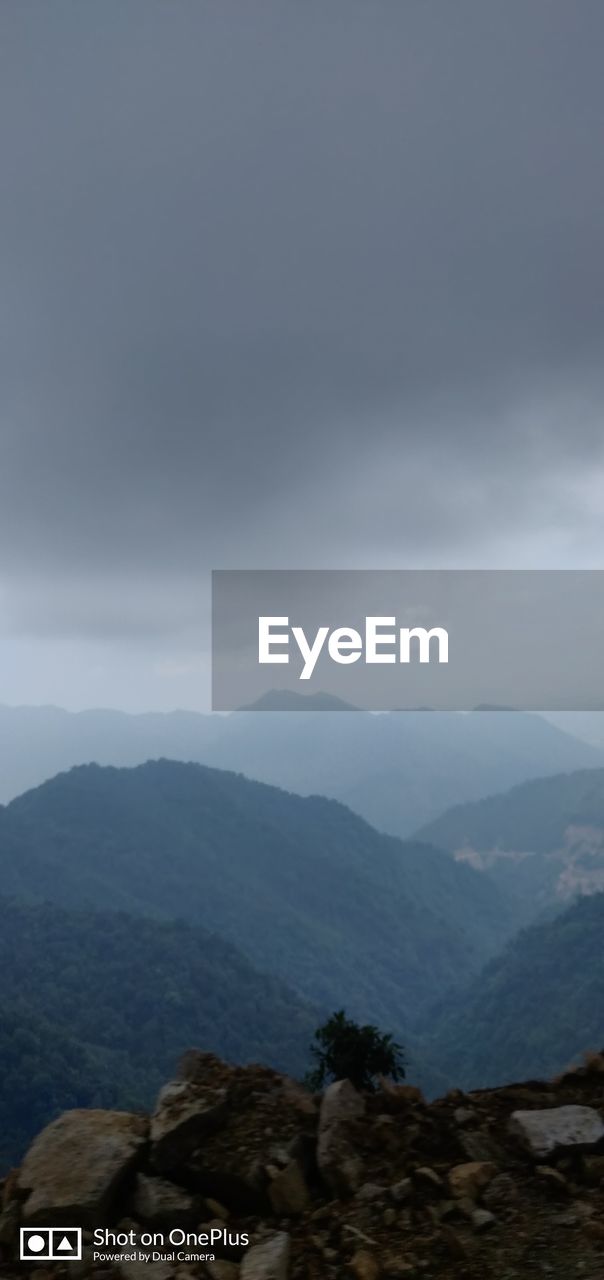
(344, 1050)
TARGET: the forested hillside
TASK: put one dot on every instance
(97, 1007)
(533, 1010)
(305, 888)
(543, 840)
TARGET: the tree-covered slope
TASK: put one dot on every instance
(533, 1010)
(305, 888)
(543, 839)
(96, 1008)
(532, 816)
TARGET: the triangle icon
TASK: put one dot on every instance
(65, 1246)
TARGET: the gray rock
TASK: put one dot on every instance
(402, 1190)
(184, 1115)
(75, 1168)
(543, 1132)
(268, 1260)
(371, 1191)
(483, 1220)
(500, 1192)
(339, 1163)
(162, 1204)
(463, 1116)
(478, 1145)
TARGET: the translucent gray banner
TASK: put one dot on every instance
(383, 640)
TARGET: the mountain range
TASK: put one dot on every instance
(302, 886)
(398, 770)
(150, 908)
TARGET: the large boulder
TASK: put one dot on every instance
(184, 1115)
(339, 1163)
(543, 1132)
(268, 1260)
(76, 1167)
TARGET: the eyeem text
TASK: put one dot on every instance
(380, 642)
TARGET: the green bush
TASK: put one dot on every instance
(345, 1050)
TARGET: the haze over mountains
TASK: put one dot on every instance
(398, 771)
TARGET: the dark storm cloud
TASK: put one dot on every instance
(288, 282)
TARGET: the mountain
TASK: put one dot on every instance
(544, 839)
(533, 1009)
(302, 886)
(398, 770)
(96, 1007)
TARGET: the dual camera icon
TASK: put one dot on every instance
(50, 1244)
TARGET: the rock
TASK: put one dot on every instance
(565, 1220)
(364, 1266)
(501, 1191)
(400, 1096)
(397, 1269)
(184, 1115)
(216, 1209)
(221, 1270)
(552, 1178)
(371, 1191)
(594, 1169)
(541, 1133)
(288, 1192)
(268, 1260)
(76, 1167)
(162, 1204)
(426, 1177)
(455, 1247)
(402, 1190)
(483, 1220)
(339, 1163)
(463, 1116)
(594, 1230)
(134, 1270)
(470, 1179)
(299, 1098)
(478, 1145)
(466, 1207)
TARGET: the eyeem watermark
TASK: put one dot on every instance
(378, 643)
(405, 639)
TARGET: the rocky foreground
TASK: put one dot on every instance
(504, 1183)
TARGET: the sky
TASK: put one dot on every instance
(286, 283)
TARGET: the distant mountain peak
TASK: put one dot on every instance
(287, 700)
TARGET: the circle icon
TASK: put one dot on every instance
(36, 1243)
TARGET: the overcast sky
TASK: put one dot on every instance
(307, 282)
